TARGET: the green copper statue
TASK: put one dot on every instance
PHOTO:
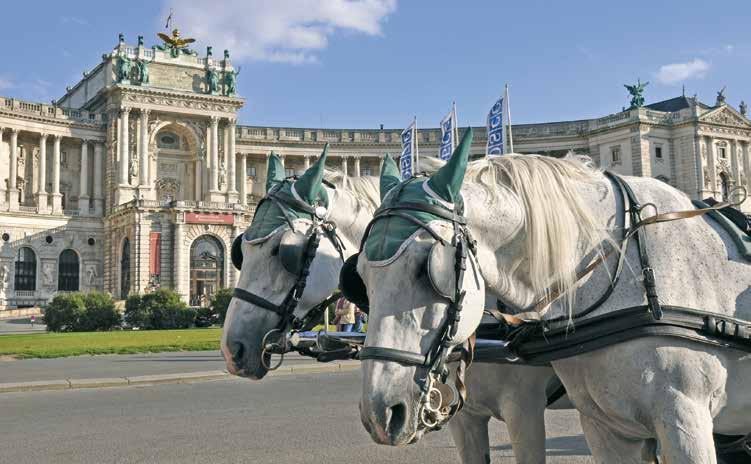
(212, 81)
(637, 93)
(230, 82)
(123, 67)
(142, 71)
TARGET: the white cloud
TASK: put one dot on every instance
(291, 31)
(73, 20)
(677, 72)
(5, 82)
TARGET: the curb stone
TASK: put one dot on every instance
(162, 379)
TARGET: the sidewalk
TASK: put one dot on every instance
(135, 369)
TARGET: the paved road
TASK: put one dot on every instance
(21, 326)
(83, 367)
(296, 418)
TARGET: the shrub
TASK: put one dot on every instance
(78, 312)
(220, 303)
(62, 314)
(161, 309)
(100, 312)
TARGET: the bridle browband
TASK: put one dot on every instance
(433, 408)
(321, 227)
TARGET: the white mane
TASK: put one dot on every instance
(557, 222)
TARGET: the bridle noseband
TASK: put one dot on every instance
(321, 226)
(437, 403)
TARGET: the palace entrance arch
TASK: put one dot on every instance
(206, 269)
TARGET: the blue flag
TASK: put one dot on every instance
(448, 142)
(406, 161)
(496, 132)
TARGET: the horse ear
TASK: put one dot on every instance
(275, 173)
(390, 176)
(308, 186)
(447, 181)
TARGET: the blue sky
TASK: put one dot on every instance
(340, 63)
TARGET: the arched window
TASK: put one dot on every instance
(725, 185)
(68, 271)
(125, 270)
(26, 270)
(206, 269)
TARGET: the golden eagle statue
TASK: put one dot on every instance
(175, 45)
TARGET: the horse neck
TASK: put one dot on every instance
(498, 226)
(350, 215)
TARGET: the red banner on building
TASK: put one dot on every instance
(204, 218)
(155, 247)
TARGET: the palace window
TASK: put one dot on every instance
(289, 172)
(26, 270)
(658, 151)
(723, 152)
(250, 171)
(366, 171)
(615, 154)
(68, 271)
(168, 140)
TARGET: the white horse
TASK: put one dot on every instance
(537, 221)
(515, 394)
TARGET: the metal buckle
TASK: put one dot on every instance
(264, 350)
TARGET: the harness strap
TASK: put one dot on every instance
(257, 300)
(408, 358)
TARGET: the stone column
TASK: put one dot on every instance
(231, 171)
(57, 197)
(13, 171)
(83, 191)
(243, 179)
(143, 166)
(98, 179)
(198, 174)
(42, 176)
(735, 162)
(180, 264)
(344, 165)
(307, 162)
(124, 148)
(712, 166)
(357, 166)
(3, 193)
(214, 193)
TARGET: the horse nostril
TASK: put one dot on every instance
(237, 350)
(396, 417)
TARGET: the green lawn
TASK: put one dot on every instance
(57, 345)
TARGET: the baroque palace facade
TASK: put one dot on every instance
(139, 177)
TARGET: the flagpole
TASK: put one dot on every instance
(416, 167)
(455, 127)
(508, 115)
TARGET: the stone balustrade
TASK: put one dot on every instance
(49, 111)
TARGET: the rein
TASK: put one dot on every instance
(439, 401)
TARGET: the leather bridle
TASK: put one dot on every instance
(435, 406)
(321, 226)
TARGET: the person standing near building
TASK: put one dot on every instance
(345, 311)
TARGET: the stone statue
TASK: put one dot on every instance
(91, 274)
(121, 38)
(123, 67)
(3, 277)
(743, 108)
(140, 41)
(212, 81)
(230, 82)
(48, 270)
(226, 54)
(222, 174)
(637, 93)
(721, 96)
(134, 168)
(209, 51)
